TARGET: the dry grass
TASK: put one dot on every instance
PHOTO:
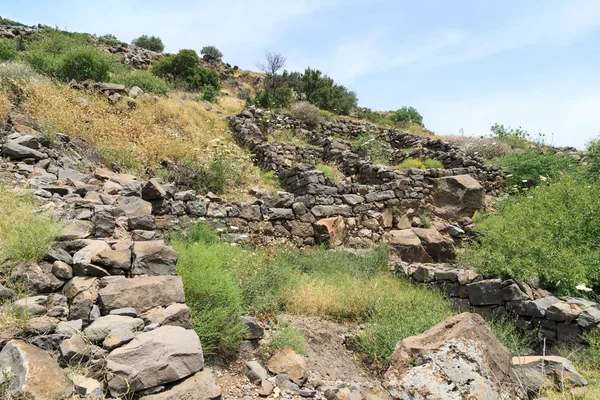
(331, 171)
(4, 107)
(158, 129)
(345, 296)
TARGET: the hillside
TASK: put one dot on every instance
(174, 227)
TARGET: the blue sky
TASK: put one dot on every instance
(464, 64)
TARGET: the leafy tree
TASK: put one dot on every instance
(211, 53)
(177, 66)
(153, 43)
(406, 115)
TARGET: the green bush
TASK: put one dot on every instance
(200, 77)
(550, 234)
(43, 62)
(407, 115)
(516, 138)
(177, 66)
(81, 63)
(429, 163)
(145, 80)
(592, 156)
(8, 50)
(149, 42)
(209, 93)
(211, 291)
(530, 168)
(211, 53)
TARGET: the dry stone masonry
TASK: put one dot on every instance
(561, 319)
(107, 295)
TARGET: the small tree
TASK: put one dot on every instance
(153, 43)
(274, 63)
(8, 50)
(211, 53)
(406, 115)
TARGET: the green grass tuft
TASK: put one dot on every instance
(24, 233)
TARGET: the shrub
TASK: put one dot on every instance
(411, 163)
(149, 42)
(592, 156)
(488, 148)
(177, 66)
(8, 50)
(81, 63)
(307, 113)
(407, 115)
(516, 138)
(373, 116)
(429, 163)
(530, 168)
(550, 234)
(209, 93)
(200, 77)
(145, 80)
(43, 62)
(211, 53)
(25, 235)
(211, 291)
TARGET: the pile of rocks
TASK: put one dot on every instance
(106, 296)
(329, 136)
(557, 319)
(15, 31)
(113, 91)
(135, 56)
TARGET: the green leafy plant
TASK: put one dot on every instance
(81, 63)
(429, 163)
(211, 53)
(407, 115)
(209, 93)
(149, 42)
(177, 66)
(8, 50)
(530, 168)
(550, 234)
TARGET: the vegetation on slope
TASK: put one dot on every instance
(25, 235)
(222, 281)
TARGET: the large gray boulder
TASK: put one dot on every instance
(141, 293)
(456, 359)
(200, 386)
(102, 326)
(154, 258)
(457, 196)
(16, 152)
(30, 372)
(164, 355)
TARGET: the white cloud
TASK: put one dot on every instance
(555, 23)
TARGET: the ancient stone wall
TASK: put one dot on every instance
(556, 318)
